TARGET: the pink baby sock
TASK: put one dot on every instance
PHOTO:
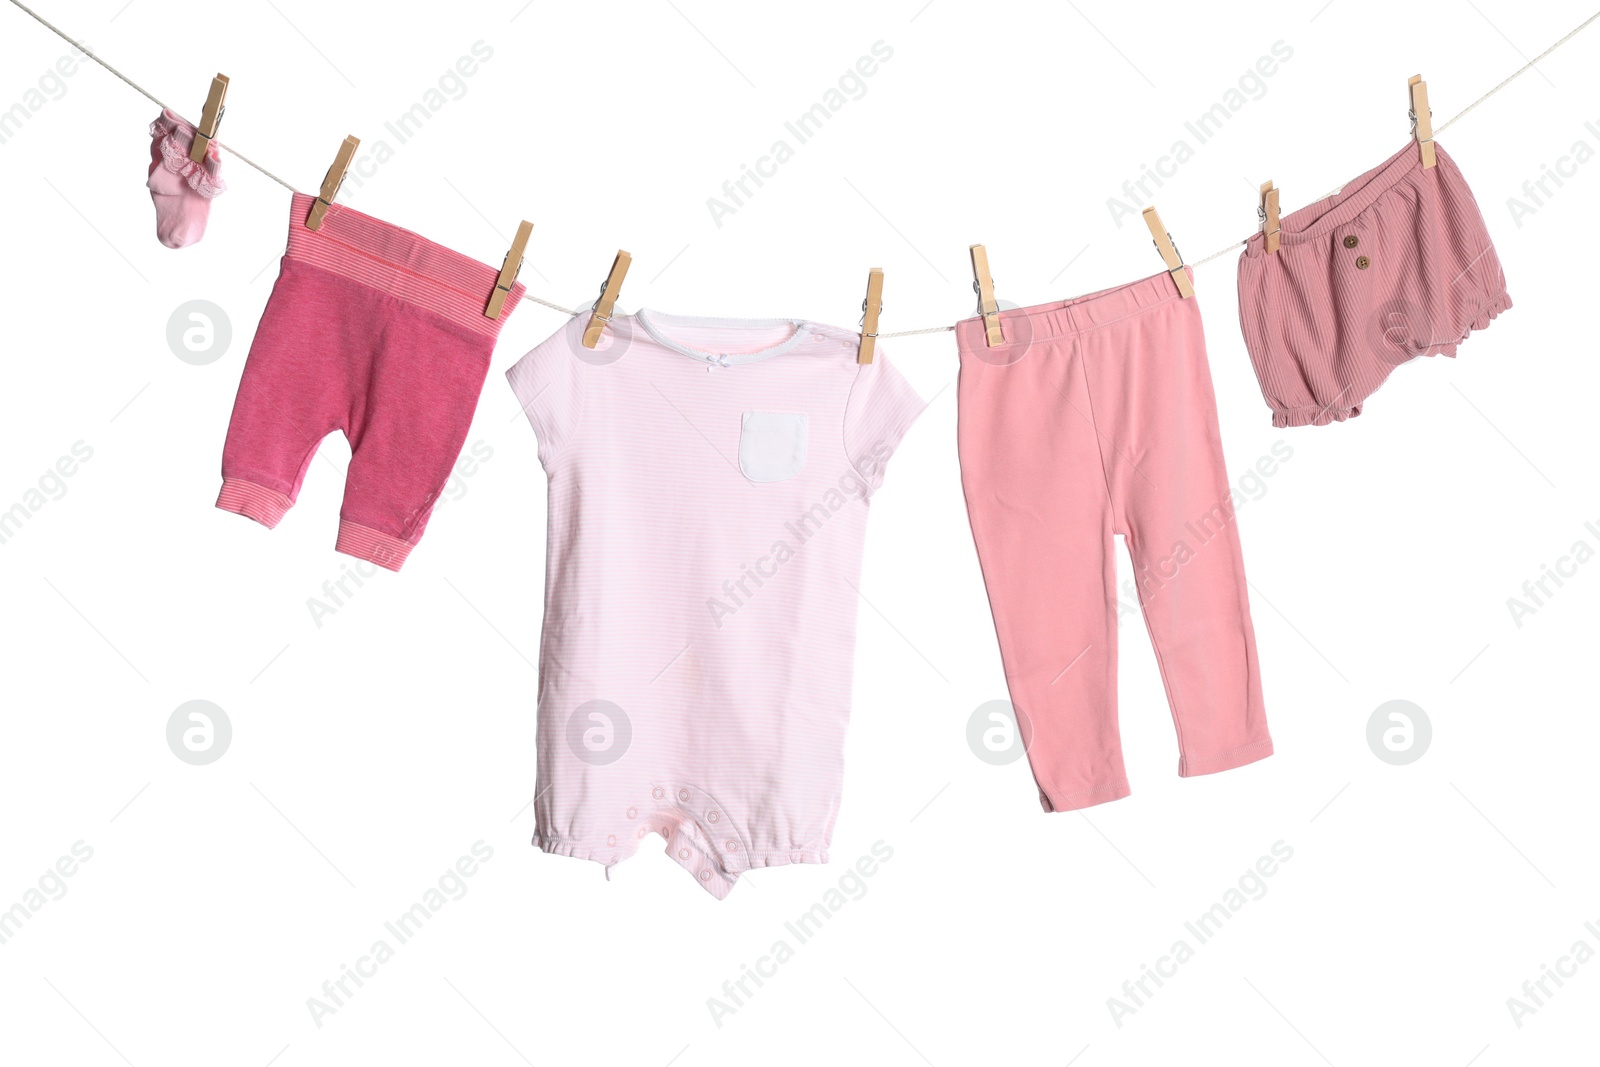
(181, 188)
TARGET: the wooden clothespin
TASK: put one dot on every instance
(508, 271)
(983, 284)
(1268, 211)
(871, 308)
(607, 303)
(1422, 119)
(1169, 253)
(331, 182)
(210, 118)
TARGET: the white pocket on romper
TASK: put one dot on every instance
(772, 445)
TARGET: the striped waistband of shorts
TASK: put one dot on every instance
(403, 264)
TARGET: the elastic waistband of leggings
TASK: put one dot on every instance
(1065, 318)
(1318, 219)
(400, 263)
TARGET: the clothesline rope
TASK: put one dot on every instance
(1440, 129)
(47, 24)
(1519, 72)
(902, 333)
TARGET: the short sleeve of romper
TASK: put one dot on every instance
(547, 384)
(881, 408)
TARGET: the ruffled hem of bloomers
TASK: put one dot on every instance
(1488, 313)
(1323, 415)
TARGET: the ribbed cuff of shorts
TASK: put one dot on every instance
(266, 506)
(374, 546)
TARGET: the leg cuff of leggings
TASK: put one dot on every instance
(253, 501)
(374, 546)
(1085, 798)
(1189, 766)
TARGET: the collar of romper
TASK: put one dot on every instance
(656, 323)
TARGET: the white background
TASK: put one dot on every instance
(370, 752)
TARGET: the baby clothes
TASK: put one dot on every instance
(380, 333)
(709, 482)
(181, 188)
(1397, 264)
(1096, 417)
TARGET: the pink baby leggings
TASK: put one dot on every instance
(1096, 417)
(377, 332)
